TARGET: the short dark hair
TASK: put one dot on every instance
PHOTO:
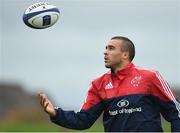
(129, 46)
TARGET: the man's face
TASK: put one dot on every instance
(113, 56)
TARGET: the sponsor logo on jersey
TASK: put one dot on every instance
(109, 86)
(123, 108)
(123, 103)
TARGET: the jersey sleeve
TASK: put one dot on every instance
(169, 106)
(83, 119)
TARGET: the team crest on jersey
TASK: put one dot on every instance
(136, 81)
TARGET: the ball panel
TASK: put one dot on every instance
(44, 20)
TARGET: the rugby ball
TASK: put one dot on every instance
(41, 15)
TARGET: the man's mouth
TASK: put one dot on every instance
(106, 59)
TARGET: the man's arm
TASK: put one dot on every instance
(168, 104)
(90, 111)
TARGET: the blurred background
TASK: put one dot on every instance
(63, 59)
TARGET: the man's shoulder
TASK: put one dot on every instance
(146, 71)
(102, 77)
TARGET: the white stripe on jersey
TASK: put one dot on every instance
(168, 91)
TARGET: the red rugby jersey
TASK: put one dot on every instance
(128, 81)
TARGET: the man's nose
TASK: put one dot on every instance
(105, 52)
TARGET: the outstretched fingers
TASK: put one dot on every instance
(43, 99)
(46, 104)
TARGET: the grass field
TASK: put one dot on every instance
(50, 127)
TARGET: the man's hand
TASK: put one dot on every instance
(46, 104)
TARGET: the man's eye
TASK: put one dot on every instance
(111, 48)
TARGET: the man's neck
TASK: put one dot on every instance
(120, 67)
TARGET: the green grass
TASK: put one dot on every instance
(166, 126)
(41, 127)
(50, 127)
(29, 127)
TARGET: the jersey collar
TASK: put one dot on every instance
(123, 72)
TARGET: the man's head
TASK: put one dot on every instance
(119, 51)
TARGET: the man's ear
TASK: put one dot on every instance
(126, 55)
